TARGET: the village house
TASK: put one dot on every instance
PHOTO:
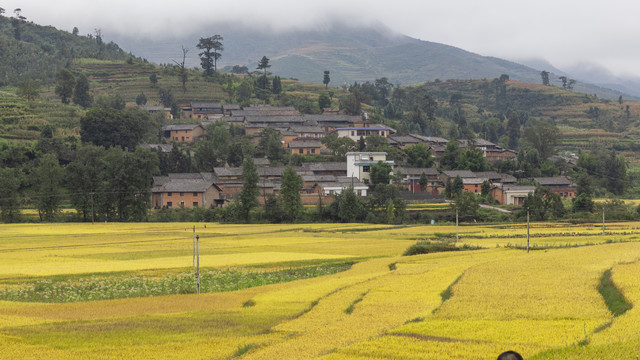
(511, 194)
(359, 163)
(411, 179)
(560, 185)
(183, 133)
(355, 133)
(166, 112)
(184, 190)
(305, 147)
(203, 110)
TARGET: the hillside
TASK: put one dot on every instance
(350, 53)
(31, 51)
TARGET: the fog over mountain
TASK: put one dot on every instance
(363, 53)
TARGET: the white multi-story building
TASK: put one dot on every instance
(359, 163)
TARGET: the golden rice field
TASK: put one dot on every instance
(476, 304)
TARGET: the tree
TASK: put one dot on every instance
(450, 155)
(9, 200)
(419, 155)
(81, 95)
(18, 22)
(28, 89)
(129, 176)
(248, 197)
(271, 143)
(466, 204)
(211, 48)
(49, 175)
(263, 81)
(276, 86)
(324, 101)
(350, 206)
(290, 192)
(545, 77)
(153, 78)
(457, 186)
(182, 74)
(380, 173)
(85, 175)
(64, 86)
(75, 31)
(141, 99)
(543, 204)
(326, 79)
(424, 181)
(542, 137)
(110, 127)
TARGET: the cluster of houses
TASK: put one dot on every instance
(301, 133)
(322, 181)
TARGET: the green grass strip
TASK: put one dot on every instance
(614, 299)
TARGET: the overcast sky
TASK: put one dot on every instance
(566, 33)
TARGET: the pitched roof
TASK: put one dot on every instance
(307, 129)
(461, 173)
(430, 139)
(557, 180)
(206, 105)
(185, 186)
(304, 144)
(326, 166)
(180, 127)
(418, 171)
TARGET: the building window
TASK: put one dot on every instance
(195, 194)
(353, 133)
(181, 194)
(301, 151)
(182, 203)
(313, 151)
(169, 194)
(366, 168)
(195, 204)
(169, 204)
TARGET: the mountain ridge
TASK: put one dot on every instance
(358, 53)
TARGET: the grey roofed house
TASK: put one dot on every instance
(304, 144)
(402, 140)
(319, 178)
(551, 181)
(307, 129)
(165, 148)
(160, 180)
(185, 185)
(322, 167)
(461, 173)
(261, 161)
(430, 140)
(416, 172)
(227, 171)
(496, 177)
(286, 119)
(180, 127)
(230, 107)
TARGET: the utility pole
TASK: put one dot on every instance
(194, 246)
(92, 213)
(603, 221)
(527, 230)
(457, 232)
(198, 263)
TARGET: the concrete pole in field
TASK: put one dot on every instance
(527, 230)
(457, 232)
(198, 262)
(194, 246)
